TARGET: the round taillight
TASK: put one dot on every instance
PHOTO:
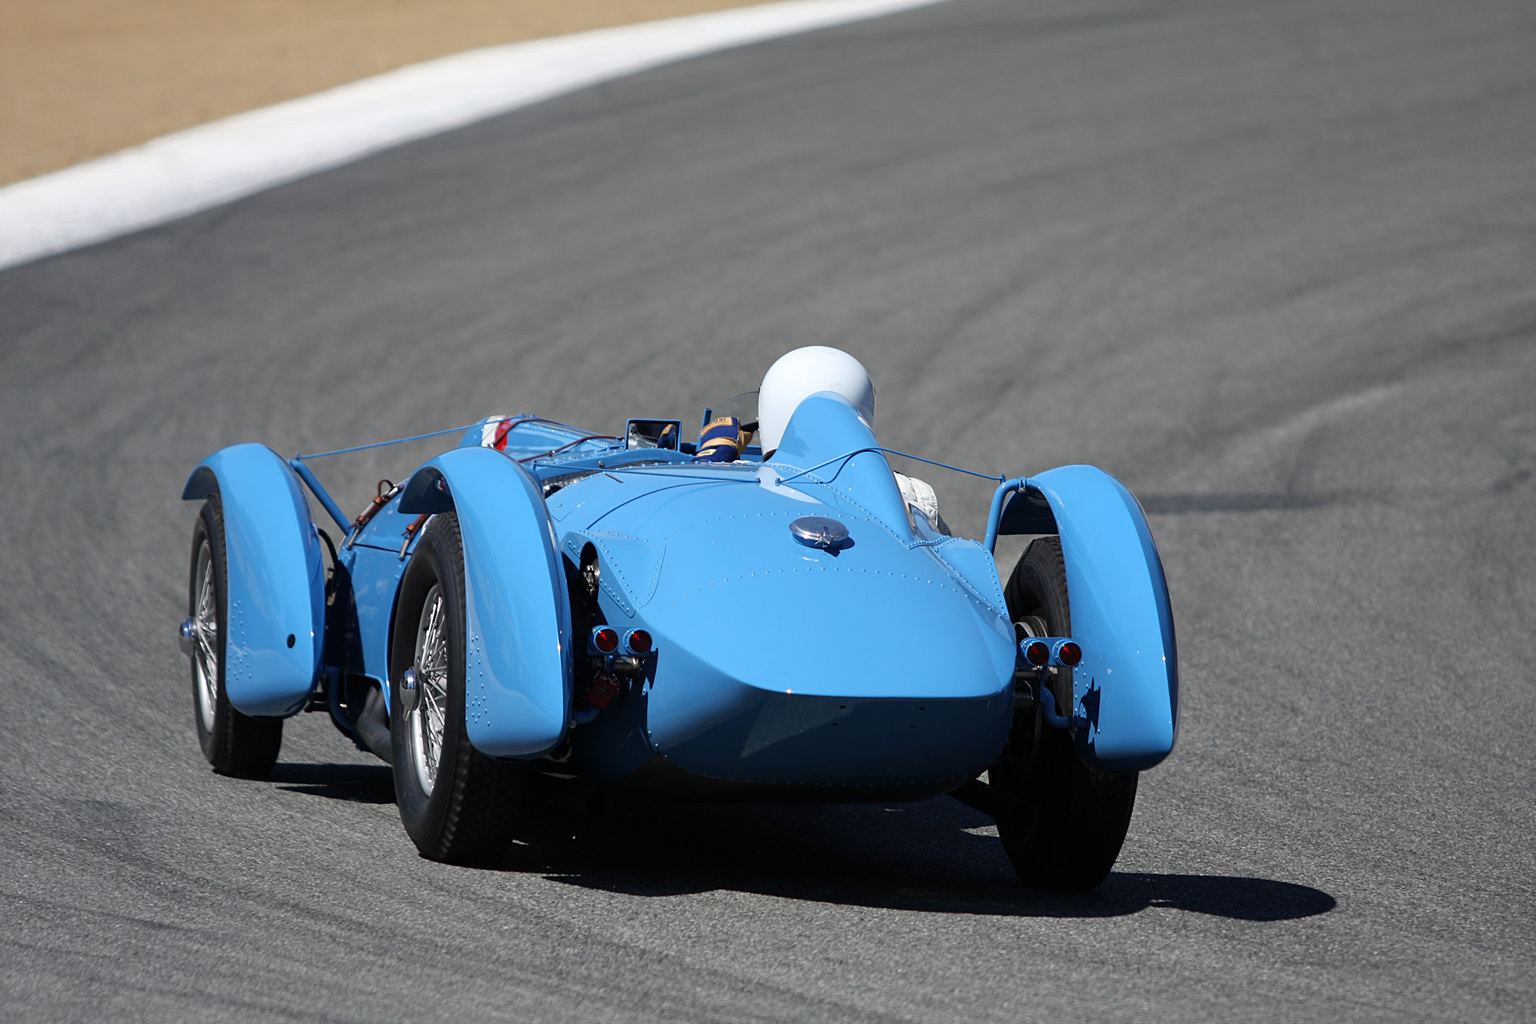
(639, 641)
(605, 640)
(1069, 654)
(1037, 652)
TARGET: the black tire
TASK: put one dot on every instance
(1075, 815)
(235, 744)
(463, 808)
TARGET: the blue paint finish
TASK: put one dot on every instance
(877, 622)
(573, 498)
(1121, 615)
(631, 568)
(425, 493)
(518, 647)
(616, 743)
(375, 568)
(835, 629)
(1048, 712)
(375, 574)
(321, 494)
(530, 435)
(708, 723)
(756, 632)
(276, 578)
(386, 530)
(825, 426)
(973, 565)
(1026, 511)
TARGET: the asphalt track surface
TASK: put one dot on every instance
(1270, 263)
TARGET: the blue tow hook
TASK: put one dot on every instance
(1048, 711)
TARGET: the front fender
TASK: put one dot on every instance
(1128, 684)
(517, 665)
(275, 590)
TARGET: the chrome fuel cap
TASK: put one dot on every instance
(819, 532)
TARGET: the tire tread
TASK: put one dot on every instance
(472, 812)
(238, 745)
(1076, 815)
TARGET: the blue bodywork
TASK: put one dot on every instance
(518, 624)
(275, 581)
(1127, 688)
(879, 665)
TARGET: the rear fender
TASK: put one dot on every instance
(517, 610)
(275, 592)
(1127, 687)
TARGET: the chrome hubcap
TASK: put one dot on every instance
(424, 722)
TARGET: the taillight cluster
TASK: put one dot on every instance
(607, 640)
(1042, 651)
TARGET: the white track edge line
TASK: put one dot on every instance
(202, 167)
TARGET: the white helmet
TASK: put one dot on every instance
(799, 374)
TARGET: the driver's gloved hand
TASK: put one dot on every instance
(721, 441)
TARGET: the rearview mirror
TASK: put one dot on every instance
(653, 434)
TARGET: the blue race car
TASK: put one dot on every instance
(771, 613)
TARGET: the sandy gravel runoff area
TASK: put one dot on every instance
(83, 78)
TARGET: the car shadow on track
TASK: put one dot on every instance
(936, 856)
(355, 783)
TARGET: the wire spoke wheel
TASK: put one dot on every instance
(205, 654)
(234, 743)
(456, 804)
(425, 723)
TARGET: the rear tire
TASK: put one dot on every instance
(1075, 815)
(457, 805)
(235, 744)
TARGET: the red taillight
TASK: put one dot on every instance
(605, 640)
(1037, 652)
(1069, 654)
(639, 641)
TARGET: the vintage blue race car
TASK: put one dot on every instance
(619, 616)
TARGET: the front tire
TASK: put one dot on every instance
(235, 744)
(1075, 815)
(457, 805)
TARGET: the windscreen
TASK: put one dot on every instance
(744, 408)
